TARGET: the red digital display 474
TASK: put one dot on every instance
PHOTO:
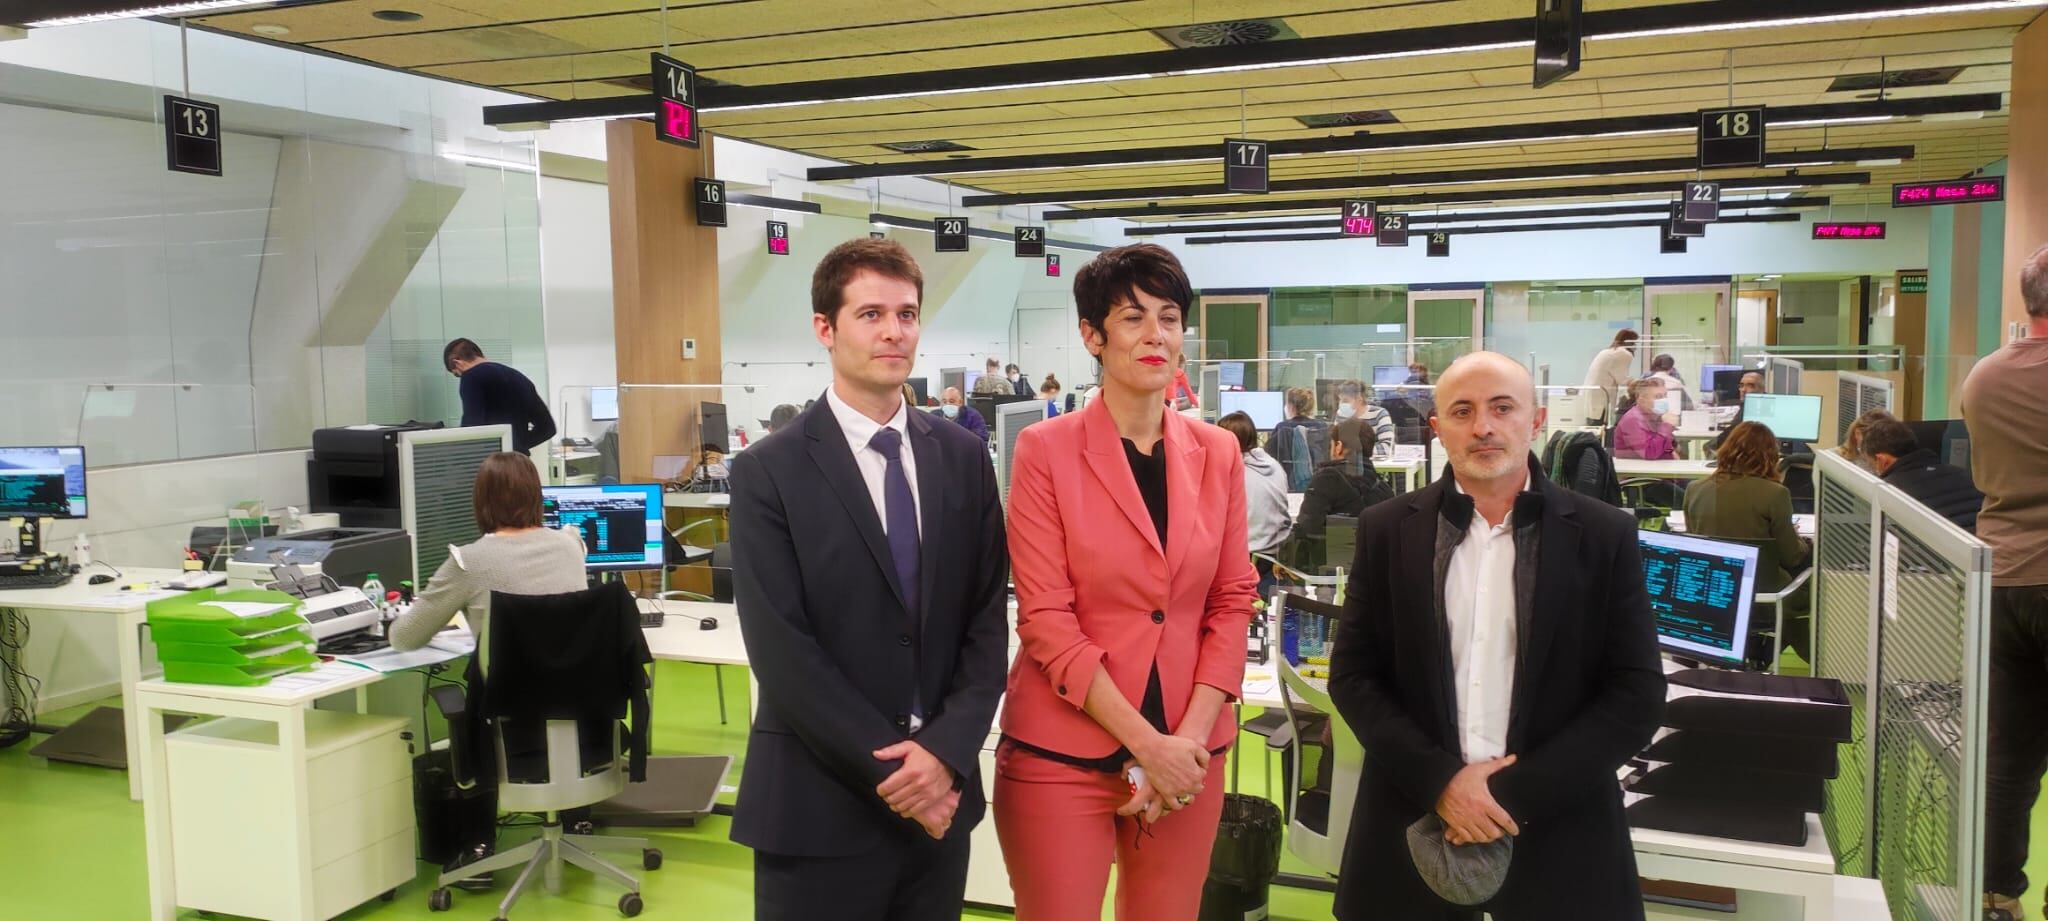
(1359, 218)
(1865, 230)
(1955, 192)
(675, 100)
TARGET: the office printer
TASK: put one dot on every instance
(346, 555)
(353, 472)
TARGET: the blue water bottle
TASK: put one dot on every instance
(1290, 636)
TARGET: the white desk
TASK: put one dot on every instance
(696, 500)
(681, 637)
(1805, 872)
(128, 608)
(1662, 470)
(283, 702)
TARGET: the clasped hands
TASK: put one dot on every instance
(1175, 767)
(922, 790)
(1470, 813)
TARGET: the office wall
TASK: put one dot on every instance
(576, 273)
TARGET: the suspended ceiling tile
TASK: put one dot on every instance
(347, 19)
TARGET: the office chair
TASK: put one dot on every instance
(569, 764)
(1775, 597)
(1318, 821)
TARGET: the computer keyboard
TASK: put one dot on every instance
(42, 578)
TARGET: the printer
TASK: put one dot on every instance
(346, 555)
(353, 472)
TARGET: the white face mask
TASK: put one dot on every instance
(1661, 406)
(1346, 411)
(951, 411)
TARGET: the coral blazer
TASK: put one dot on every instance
(1095, 588)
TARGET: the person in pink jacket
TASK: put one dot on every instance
(1645, 432)
(1134, 591)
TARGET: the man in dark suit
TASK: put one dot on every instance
(1890, 448)
(869, 559)
(1503, 687)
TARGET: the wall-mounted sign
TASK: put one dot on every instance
(1029, 241)
(778, 238)
(1559, 37)
(1913, 284)
(1668, 243)
(1731, 137)
(1392, 229)
(675, 100)
(1957, 192)
(1052, 265)
(1703, 201)
(1439, 244)
(191, 136)
(1244, 166)
(1680, 227)
(949, 234)
(710, 202)
(1358, 217)
(1861, 230)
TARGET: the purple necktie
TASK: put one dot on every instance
(899, 514)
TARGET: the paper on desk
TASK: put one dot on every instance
(246, 609)
(1258, 681)
(389, 660)
(126, 599)
(455, 641)
(327, 673)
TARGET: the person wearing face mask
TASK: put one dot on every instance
(1646, 431)
(1129, 549)
(1352, 404)
(1019, 386)
(954, 406)
(1664, 369)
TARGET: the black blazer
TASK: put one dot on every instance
(836, 654)
(1589, 692)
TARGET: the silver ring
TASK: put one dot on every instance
(1184, 799)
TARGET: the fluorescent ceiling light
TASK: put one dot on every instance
(474, 160)
(161, 9)
(1846, 120)
(1865, 16)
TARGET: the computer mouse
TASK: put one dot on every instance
(100, 579)
(707, 623)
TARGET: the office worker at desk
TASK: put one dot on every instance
(1746, 499)
(495, 394)
(1498, 662)
(1751, 382)
(516, 555)
(1134, 593)
(868, 559)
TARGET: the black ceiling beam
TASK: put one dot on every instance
(1363, 142)
(925, 224)
(1488, 174)
(1460, 195)
(1106, 68)
(750, 200)
(1332, 222)
(1468, 231)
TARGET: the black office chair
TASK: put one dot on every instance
(1766, 645)
(1797, 469)
(1340, 541)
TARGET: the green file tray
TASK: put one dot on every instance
(230, 675)
(182, 633)
(299, 653)
(188, 619)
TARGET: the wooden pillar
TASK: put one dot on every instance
(1909, 332)
(664, 291)
(2026, 182)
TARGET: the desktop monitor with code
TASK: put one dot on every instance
(1266, 407)
(620, 523)
(1790, 416)
(1701, 592)
(42, 482)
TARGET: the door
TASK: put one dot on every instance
(1443, 325)
(1685, 322)
(1232, 327)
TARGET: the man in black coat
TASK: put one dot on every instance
(1890, 448)
(870, 568)
(1498, 662)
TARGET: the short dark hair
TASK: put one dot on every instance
(1244, 428)
(1111, 277)
(1351, 434)
(507, 493)
(1350, 390)
(1625, 337)
(1663, 362)
(782, 415)
(1883, 433)
(459, 349)
(887, 258)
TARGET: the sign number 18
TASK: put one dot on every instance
(1734, 125)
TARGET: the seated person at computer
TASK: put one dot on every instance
(1352, 404)
(1648, 431)
(1050, 393)
(1300, 442)
(516, 555)
(1751, 382)
(1889, 449)
(954, 406)
(1746, 499)
(1346, 484)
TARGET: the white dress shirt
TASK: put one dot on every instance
(1479, 601)
(873, 466)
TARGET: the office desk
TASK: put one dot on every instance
(696, 500)
(1694, 444)
(316, 891)
(1805, 872)
(1662, 470)
(128, 608)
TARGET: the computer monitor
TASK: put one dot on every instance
(1388, 376)
(1701, 592)
(973, 378)
(620, 523)
(1266, 407)
(921, 387)
(1727, 389)
(1791, 416)
(604, 404)
(714, 430)
(42, 482)
(1709, 379)
(1232, 374)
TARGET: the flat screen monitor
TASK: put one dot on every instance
(1710, 376)
(620, 523)
(604, 404)
(1389, 375)
(714, 430)
(1266, 407)
(1700, 592)
(973, 378)
(1791, 416)
(42, 482)
(1727, 389)
(1232, 374)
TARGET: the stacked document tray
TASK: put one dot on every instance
(243, 637)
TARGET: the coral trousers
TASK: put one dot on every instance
(1060, 833)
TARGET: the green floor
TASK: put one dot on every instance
(71, 841)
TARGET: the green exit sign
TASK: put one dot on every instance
(1912, 284)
